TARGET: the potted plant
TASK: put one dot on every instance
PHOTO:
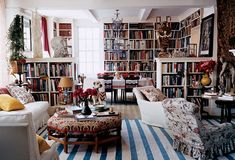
(16, 44)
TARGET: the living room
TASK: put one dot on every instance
(117, 79)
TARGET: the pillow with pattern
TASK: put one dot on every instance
(21, 94)
(153, 94)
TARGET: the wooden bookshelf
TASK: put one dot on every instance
(44, 75)
(65, 30)
(176, 76)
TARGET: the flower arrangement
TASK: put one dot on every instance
(84, 96)
(207, 66)
(105, 75)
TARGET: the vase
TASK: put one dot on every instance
(86, 109)
(206, 80)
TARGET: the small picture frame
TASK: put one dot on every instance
(206, 36)
(192, 50)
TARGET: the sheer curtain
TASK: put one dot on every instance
(4, 76)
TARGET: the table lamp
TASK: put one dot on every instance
(65, 83)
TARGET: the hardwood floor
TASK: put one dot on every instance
(129, 110)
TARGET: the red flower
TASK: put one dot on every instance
(84, 95)
(207, 66)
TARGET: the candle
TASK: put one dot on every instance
(111, 109)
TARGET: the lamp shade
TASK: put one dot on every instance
(65, 82)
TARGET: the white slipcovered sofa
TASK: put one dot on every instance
(18, 139)
(39, 110)
(152, 113)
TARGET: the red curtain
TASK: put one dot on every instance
(45, 35)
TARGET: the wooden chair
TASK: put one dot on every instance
(130, 83)
(108, 82)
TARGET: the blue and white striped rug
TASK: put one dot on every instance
(139, 142)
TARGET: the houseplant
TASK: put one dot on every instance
(15, 37)
(85, 97)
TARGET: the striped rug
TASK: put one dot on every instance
(139, 142)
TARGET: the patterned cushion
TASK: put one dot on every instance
(21, 94)
(4, 91)
(153, 94)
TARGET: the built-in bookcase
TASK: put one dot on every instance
(176, 77)
(44, 75)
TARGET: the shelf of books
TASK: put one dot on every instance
(137, 53)
(44, 75)
(179, 77)
(65, 30)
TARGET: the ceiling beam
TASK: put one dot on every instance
(144, 14)
(91, 15)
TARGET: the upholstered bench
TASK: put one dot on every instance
(93, 131)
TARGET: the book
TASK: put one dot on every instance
(73, 109)
(225, 97)
(105, 114)
(64, 115)
(81, 117)
(211, 93)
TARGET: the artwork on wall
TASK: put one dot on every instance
(206, 36)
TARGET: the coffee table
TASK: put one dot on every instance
(94, 131)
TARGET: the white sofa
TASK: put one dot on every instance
(39, 110)
(18, 139)
(152, 113)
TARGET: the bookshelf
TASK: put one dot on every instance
(137, 55)
(44, 75)
(176, 76)
(65, 30)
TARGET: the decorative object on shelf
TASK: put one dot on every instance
(59, 45)
(65, 83)
(192, 50)
(206, 36)
(163, 35)
(84, 97)
(227, 71)
(117, 31)
(207, 67)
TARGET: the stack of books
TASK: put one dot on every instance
(210, 93)
(228, 96)
(81, 117)
(73, 109)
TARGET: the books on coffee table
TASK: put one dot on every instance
(73, 109)
(81, 117)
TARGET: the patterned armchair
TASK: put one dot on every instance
(191, 136)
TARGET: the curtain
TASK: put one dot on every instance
(45, 35)
(3, 54)
(36, 35)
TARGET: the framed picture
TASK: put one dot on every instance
(191, 50)
(206, 36)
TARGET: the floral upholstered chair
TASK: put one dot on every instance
(191, 136)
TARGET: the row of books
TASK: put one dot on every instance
(191, 79)
(116, 66)
(141, 34)
(194, 92)
(110, 26)
(111, 34)
(172, 67)
(141, 44)
(184, 42)
(193, 66)
(40, 97)
(141, 55)
(37, 70)
(109, 44)
(172, 80)
(141, 66)
(38, 84)
(173, 92)
(115, 56)
(185, 31)
(60, 70)
(141, 26)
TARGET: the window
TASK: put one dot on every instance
(90, 57)
(27, 34)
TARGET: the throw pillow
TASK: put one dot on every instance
(153, 94)
(8, 103)
(21, 94)
(42, 144)
(4, 91)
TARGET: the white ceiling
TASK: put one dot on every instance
(102, 10)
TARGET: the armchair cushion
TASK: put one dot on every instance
(21, 94)
(8, 103)
(153, 94)
(42, 144)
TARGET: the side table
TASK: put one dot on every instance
(226, 106)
